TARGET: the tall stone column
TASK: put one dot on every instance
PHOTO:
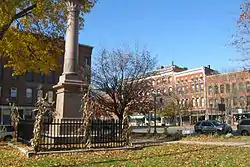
(71, 44)
(69, 87)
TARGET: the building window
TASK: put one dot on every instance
(28, 95)
(158, 81)
(169, 80)
(13, 92)
(183, 90)
(186, 90)
(202, 87)
(50, 96)
(227, 88)
(87, 62)
(193, 88)
(216, 90)
(41, 77)
(153, 82)
(163, 79)
(210, 103)
(203, 102)
(241, 86)
(216, 102)
(197, 88)
(221, 88)
(51, 77)
(210, 90)
(194, 102)
(164, 91)
(234, 88)
(30, 76)
(170, 90)
(178, 90)
(248, 86)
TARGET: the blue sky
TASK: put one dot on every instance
(191, 33)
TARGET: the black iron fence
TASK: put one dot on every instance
(68, 134)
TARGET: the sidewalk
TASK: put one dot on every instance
(237, 144)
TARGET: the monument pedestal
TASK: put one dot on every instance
(69, 92)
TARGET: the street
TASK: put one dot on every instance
(171, 130)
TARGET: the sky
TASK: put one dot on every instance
(192, 33)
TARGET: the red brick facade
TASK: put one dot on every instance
(23, 90)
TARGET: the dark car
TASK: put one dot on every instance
(244, 127)
(212, 126)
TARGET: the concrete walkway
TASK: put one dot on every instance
(237, 144)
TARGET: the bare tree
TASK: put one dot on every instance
(123, 77)
(241, 39)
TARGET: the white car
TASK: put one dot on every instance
(6, 132)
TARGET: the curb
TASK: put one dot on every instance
(23, 150)
(32, 153)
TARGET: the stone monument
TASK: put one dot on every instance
(69, 88)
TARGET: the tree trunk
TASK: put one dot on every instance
(149, 125)
(120, 116)
(180, 120)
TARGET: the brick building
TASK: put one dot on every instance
(231, 89)
(163, 78)
(204, 88)
(25, 90)
(188, 86)
(190, 89)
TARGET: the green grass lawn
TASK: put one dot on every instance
(165, 155)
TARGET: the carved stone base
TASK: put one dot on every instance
(69, 94)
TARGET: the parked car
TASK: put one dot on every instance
(6, 132)
(243, 127)
(212, 126)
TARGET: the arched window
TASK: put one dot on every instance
(222, 88)
(216, 89)
(169, 79)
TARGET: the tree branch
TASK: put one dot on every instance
(19, 15)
